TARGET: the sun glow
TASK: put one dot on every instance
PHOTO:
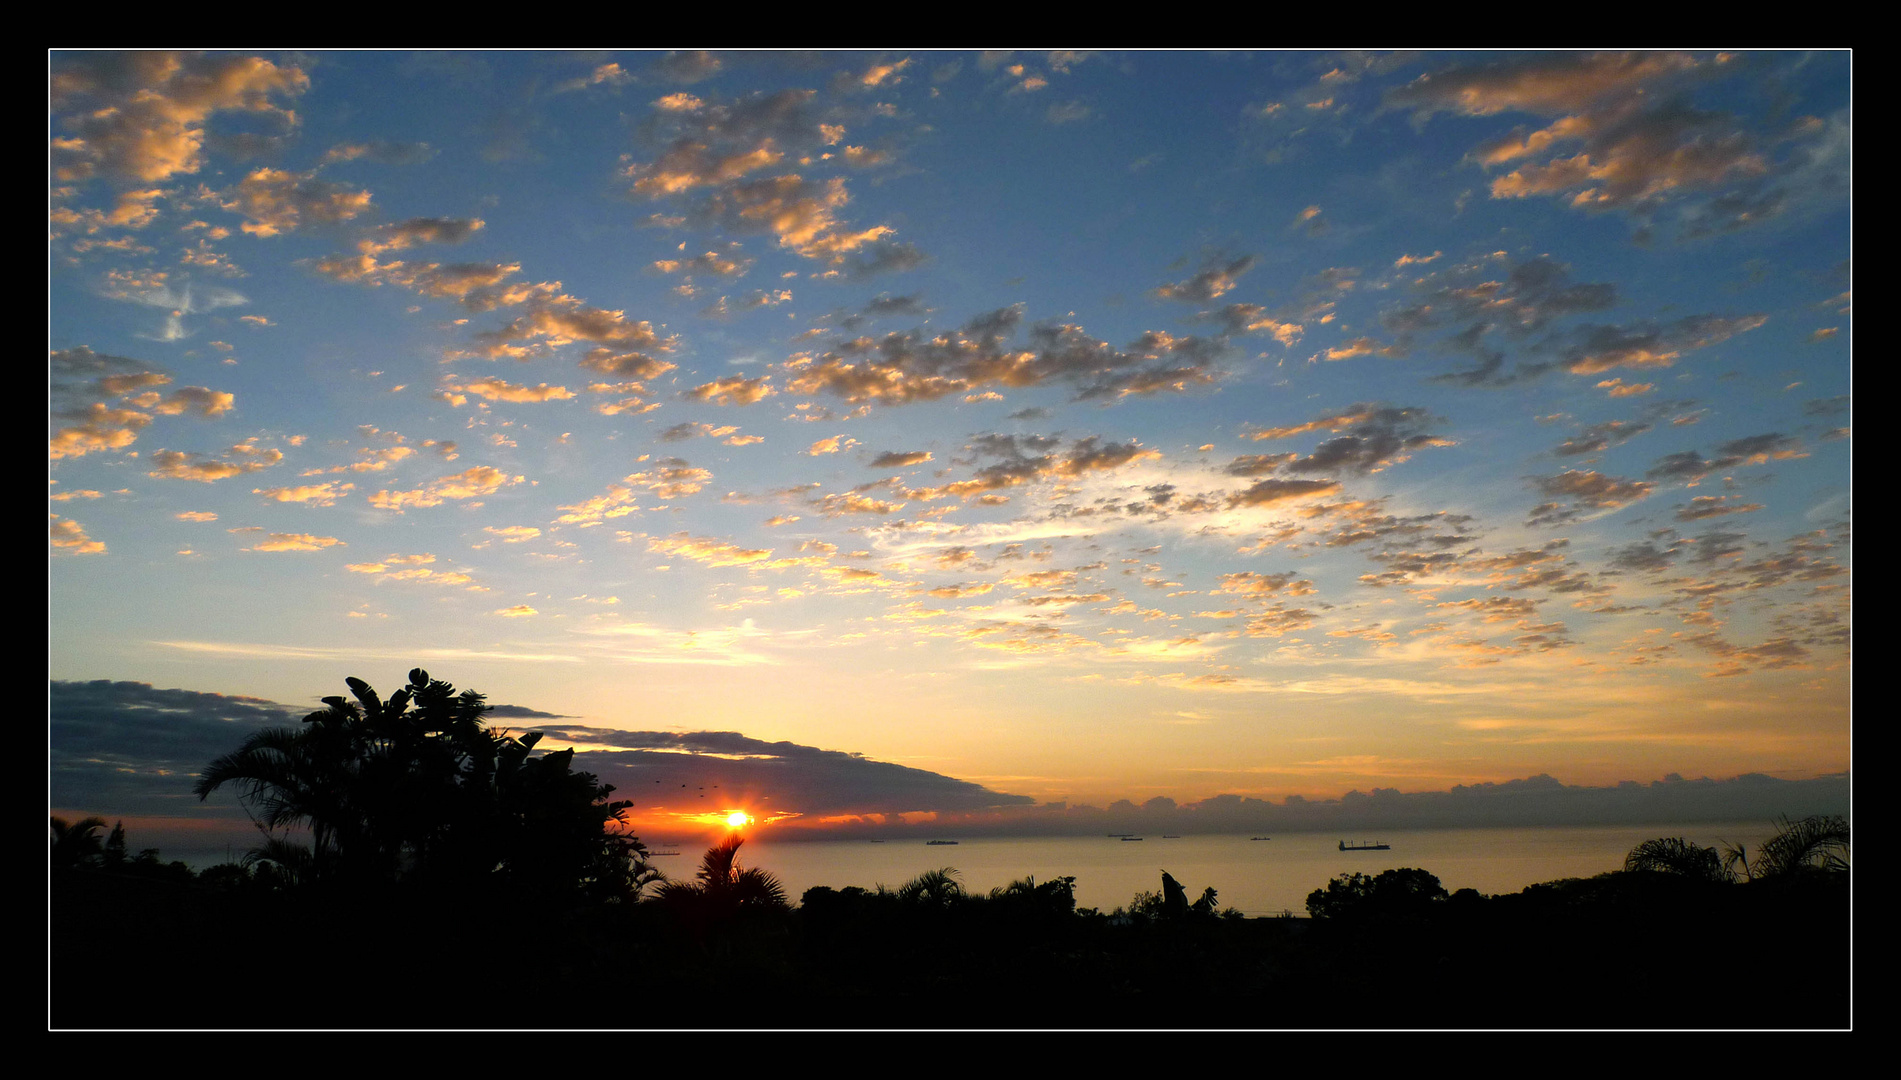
(738, 819)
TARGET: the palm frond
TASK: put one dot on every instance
(934, 887)
(1675, 855)
(1819, 842)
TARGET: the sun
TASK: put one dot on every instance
(738, 819)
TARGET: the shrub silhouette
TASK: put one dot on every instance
(418, 789)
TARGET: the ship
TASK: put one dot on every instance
(1365, 846)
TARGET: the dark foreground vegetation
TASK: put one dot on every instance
(454, 881)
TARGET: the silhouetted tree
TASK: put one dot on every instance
(722, 889)
(1055, 897)
(419, 789)
(1404, 892)
(933, 888)
(1207, 904)
(1817, 844)
(1675, 855)
(1174, 897)
(77, 844)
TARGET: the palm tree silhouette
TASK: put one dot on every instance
(933, 888)
(429, 793)
(722, 889)
(1818, 843)
(1675, 855)
(77, 844)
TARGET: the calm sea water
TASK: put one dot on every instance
(1260, 877)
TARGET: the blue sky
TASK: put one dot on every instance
(1082, 426)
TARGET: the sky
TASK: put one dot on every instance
(958, 433)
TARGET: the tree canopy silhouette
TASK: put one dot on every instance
(418, 789)
(1401, 893)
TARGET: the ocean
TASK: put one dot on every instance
(1259, 877)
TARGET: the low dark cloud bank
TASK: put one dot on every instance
(127, 749)
(693, 771)
(1534, 802)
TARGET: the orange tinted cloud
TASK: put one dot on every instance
(141, 115)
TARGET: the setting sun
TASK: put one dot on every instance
(738, 819)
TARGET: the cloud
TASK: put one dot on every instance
(1553, 83)
(553, 320)
(602, 75)
(707, 550)
(1758, 450)
(1376, 437)
(245, 457)
(714, 152)
(416, 568)
(472, 483)
(1601, 437)
(1067, 112)
(908, 367)
(96, 428)
(141, 116)
(628, 365)
(1362, 346)
(1256, 586)
(1690, 466)
(670, 478)
(900, 459)
(687, 66)
(1593, 349)
(276, 201)
(1496, 291)
(399, 235)
(130, 748)
(1576, 492)
(126, 748)
(885, 305)
(728, 265)
(1625, 135)
(502, 390)
(1274, 492)
(690, 430)
(1709, 506)
(381, 151)
(106, 401)
(732, 390)
(1253, 318)
(830, 445)
(1026, 459)
(68, 535)
(1215, 279)
(295, 542)
(665, 772)
(309, 495)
